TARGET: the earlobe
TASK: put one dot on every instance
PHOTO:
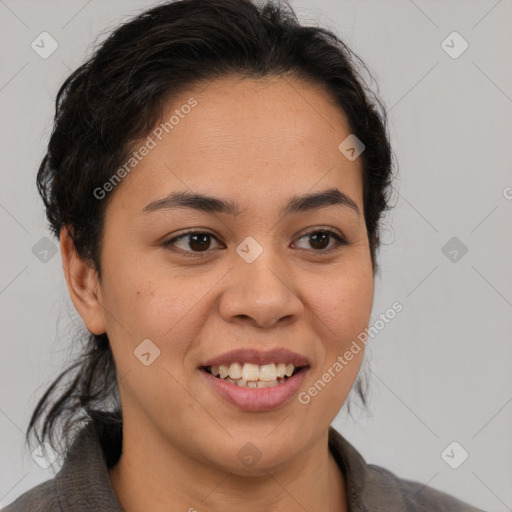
(83, 285)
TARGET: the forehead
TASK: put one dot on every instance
(250, 139)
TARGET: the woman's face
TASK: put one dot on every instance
(265, 279)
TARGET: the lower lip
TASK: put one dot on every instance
(254, 399)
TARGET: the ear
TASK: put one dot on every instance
(83, 285)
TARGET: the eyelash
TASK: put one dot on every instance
(340, 241)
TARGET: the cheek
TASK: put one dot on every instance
(344, 303)
(345, 310)
(157, 305)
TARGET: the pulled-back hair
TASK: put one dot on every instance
(118, 95)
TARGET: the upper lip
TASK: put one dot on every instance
(248, 355)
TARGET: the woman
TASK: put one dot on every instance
(216, 177)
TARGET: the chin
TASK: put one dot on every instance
(257, 452)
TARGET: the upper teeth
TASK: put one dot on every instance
(253, 372)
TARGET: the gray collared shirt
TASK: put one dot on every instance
(83, 483)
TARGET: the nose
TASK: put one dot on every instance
(260, 293)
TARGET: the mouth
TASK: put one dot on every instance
(255, 376)
(252, 380)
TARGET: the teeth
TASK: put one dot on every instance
(289, 370)
(235, 371)
(268, 372)
(253, 375)
(265, 372)
(255, 384)
(223, 371)
(268, 384)
(250, 372)
(281, 370)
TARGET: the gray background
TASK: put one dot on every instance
(440, 371)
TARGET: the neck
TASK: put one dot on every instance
(150, 477)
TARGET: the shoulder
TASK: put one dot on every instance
(83, 482)
(415, 496)
(41, 498)
(371, 487)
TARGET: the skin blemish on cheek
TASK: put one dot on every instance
(139, 292)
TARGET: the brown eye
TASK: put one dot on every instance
(199, 242)
(192, 242)
(320, 239)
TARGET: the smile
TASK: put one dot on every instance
(250, 375)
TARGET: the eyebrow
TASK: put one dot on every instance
(209, 204)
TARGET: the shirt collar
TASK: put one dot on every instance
(83, 483)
